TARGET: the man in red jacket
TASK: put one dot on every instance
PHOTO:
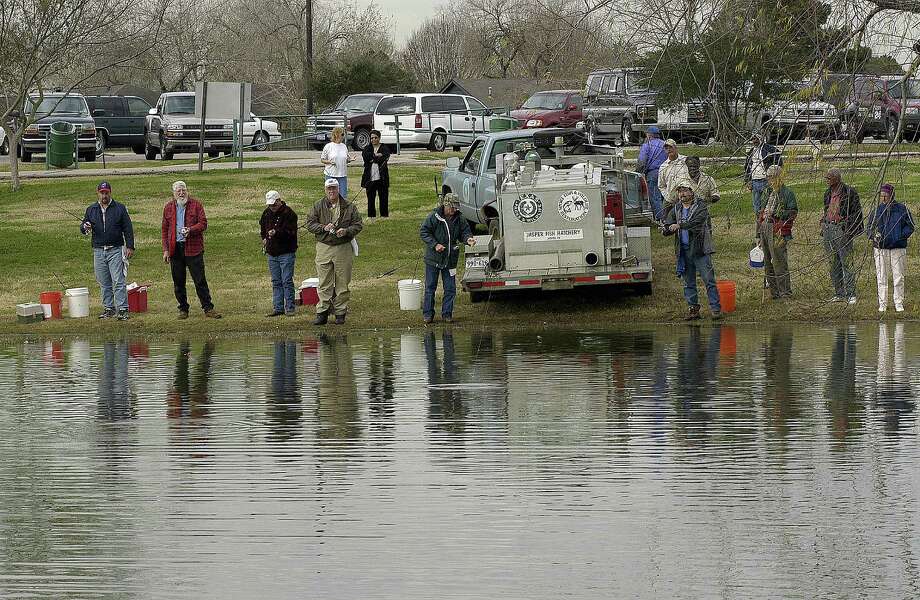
(183, 246)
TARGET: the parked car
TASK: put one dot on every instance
(259, 132)
(355, 113)
(119, 121)
(874, 107)
(4, 143)
(555, 108)
(54, 107)
(622, 103)
(433, 120)
(171, 126)
(797, 111)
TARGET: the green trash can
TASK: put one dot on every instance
(502, 124)
(61, 143)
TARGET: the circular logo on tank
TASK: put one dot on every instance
(573, 206)
(527, 208)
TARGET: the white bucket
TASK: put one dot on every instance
(77, 302)
(410, 294)
(312, 282)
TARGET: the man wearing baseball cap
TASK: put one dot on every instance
(443, 232)
(182, 232)
(335, 222)
(113, 242)
(672, 171)
(279, 239)
(651, 156)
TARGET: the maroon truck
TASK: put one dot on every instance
(554, 108)
(355, 113)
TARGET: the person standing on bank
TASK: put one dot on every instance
(761, 157)
(704, 186)
(889, 228)
(651, 156)
(113, 242)
(182, 232)
(841, 223)
(774, 232)
(278, 227)
(672, 171)
(335, 222)
(336, 158)
(443, 231)
(689, 220)
(376, 177)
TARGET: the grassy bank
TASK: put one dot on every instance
(39, 240)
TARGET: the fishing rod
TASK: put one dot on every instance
(74, 215)
(63, 287)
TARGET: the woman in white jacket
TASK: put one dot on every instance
(336, 158)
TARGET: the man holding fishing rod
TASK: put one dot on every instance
(278, 226)
(113, 243)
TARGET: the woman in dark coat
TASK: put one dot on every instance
(376, 177)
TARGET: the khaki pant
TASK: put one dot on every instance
(333, 267)
(775, 262)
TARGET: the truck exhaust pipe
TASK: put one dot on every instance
(496, 255)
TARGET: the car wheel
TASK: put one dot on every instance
(150, 153)
(139, 149)
(438, 142)
(629, 136)
(164, 153)
(213, 153)
(5, 147)
(102, 142)
(25, 155)
(260, 142)
(892, 130)
(89, 156)
(362, 139)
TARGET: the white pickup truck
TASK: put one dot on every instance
(171, 126)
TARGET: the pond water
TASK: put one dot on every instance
(661, 462)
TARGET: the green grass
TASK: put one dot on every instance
(39, 240)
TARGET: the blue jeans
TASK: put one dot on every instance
(431, 286)
(343, 186)
(110, 273)
(757, 188)
(703, 266)
(654, 194)
(282, 269)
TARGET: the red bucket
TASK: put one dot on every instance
(137, 300)
(52, 300)
(309, 296)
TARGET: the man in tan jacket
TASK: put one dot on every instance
(335, 222)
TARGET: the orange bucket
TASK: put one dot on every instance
(52, 299)
(726, 295)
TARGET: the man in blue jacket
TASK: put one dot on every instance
(651, 155)
(889, 228)
(113, 244)
(443, 231)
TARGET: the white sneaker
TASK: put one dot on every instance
(851, 300)
(899, 308)
(838, 299)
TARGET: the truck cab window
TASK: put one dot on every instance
(473, 159)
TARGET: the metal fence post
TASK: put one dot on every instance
(242, 125)
(204, 112)
(397, 133)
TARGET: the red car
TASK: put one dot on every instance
(554, 108)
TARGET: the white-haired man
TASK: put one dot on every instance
(184, 223)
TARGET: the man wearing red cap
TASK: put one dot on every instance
(113, 244)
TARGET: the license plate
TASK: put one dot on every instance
(476, 262)
(558, 284)
(207, 144)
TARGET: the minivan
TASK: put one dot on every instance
(433, 120)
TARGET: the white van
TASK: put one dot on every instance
(433, 120)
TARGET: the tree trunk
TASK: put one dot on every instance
(13, 137)
(308, 55)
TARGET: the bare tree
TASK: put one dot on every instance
(440, 50)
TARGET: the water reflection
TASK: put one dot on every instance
(711, 461)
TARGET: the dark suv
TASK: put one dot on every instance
(874, 105)
(621, 103)
(55, 107)
(119, 121)
(355, 113)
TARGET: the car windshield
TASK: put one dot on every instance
(546, 101)
(365, 104)
(912, 88)
(180, 105)
(637, 82)
(71, 105)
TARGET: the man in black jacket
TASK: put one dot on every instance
(278, 227)
(376, 177)
(443, 231)
(761, 157)
(842, 221)
(113, 246)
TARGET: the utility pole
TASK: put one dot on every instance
(308, 50)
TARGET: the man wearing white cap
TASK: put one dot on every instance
(335, 222)
(278, 227)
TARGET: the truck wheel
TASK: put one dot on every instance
(260, 142)
(5, 147)
(213, 153)
(892, 130)
(629, 136)
(102, 142)
(89, 156)
(150, 152)
(164, 154)
(25, 155)
(438, 142)
(854, 132)
(362, 139)
(643, 289)
(138, 149)
(477, 297)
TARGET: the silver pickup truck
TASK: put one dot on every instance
(473, 178)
